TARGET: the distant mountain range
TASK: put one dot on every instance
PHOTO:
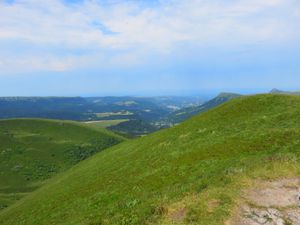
(86, 109)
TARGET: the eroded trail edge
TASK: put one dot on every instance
(270, 203)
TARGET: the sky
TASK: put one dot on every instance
(148, 47)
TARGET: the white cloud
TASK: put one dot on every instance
(52, 24)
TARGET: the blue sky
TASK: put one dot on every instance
(149, 47)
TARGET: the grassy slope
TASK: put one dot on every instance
(33, 150)
(197, 168)
(104, 123)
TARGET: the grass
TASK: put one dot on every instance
(105, 123)
(33, 150)
(188, 174)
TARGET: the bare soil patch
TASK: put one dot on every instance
(178, 215)
(270, 203)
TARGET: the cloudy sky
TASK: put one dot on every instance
(148, 47)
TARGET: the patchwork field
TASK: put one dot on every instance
(109, 114)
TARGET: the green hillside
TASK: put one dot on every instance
(188, 174)
(32, 151)
(133, 128)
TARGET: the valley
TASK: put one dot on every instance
(149, 112)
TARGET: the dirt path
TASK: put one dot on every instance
(270, 203)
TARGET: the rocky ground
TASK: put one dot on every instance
(270, 203)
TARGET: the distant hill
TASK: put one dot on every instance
(277, 91)
(193, 173)
(185, 113)
(32, 151)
